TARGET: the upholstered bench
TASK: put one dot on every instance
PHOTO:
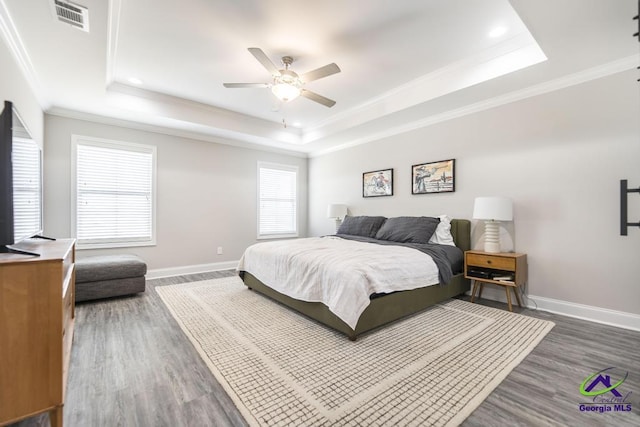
(109, 276)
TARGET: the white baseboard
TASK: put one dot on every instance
(591, 313)
(191, 269)
(606, 316)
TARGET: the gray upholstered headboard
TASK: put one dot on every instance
(461, 232)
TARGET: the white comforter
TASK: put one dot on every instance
(340, 273)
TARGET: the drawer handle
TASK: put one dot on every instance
(488, 261)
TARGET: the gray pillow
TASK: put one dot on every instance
(408, 229)
(366, 226)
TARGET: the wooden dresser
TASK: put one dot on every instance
(37, 312)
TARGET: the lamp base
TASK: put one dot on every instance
(491, 237)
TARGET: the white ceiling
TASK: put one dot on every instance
(405, 64)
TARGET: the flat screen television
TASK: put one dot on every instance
(20, 182)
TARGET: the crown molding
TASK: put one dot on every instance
(16, 46)
(513, 54)
(113, 32)
(181, 133)
(580, 77)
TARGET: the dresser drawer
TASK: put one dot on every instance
(491, 261)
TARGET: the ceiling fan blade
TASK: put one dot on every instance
(319, 73)
(317, 98)
(264, 60)
(243, 85)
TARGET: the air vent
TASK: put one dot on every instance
(72, 14)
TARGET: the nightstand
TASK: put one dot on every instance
(503, 269)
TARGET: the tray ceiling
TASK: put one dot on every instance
(162, 63)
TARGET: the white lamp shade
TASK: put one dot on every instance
(287, 85)
(285, 91)
(336, 211)
(493, 208)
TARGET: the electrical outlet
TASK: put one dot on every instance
(219, 250)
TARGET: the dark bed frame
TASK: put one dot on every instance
(383, 309)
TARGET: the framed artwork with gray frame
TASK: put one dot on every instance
(377, 183)
(433, 177)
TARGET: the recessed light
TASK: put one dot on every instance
(497, 32)
(135, 81)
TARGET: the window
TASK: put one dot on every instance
(27, 187)
(114, 193)
(277, 201)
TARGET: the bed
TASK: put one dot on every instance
(382, 307)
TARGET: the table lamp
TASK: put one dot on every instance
(492, 210)
(337, 211)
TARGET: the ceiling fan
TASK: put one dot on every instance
(287, 84)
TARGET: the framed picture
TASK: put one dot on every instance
(377, 183)
(434, 177)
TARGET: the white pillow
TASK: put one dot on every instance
(442, 235)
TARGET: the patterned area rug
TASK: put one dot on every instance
(282, 369)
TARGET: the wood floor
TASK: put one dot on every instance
(131, 365)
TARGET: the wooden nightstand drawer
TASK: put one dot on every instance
(491, 261)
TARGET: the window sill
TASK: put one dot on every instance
(108, 245)
(277, 236)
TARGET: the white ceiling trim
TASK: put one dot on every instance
(219, 120)
(584, 76)
(511, 55)
(515, 53)
(113, 31)
(16, 46)
(206, 134)
(163, 130)
(480, 67)
(213, 121)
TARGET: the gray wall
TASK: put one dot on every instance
(559, 156)
(206, 194)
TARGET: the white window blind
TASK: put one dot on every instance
(27, 203)
(114, 193)
(277, 201)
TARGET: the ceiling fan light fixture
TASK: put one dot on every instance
(285, 92)
(286, 86)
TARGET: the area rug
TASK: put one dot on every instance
(283, 369)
